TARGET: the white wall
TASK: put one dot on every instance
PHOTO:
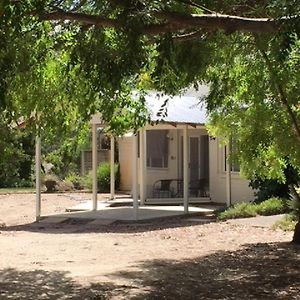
(125, 159)
(240, 191)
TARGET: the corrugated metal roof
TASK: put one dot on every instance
(178, 109)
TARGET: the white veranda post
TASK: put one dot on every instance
(135, 176)
(38, 176)
(143, 155)
(228, 173)
(185, 170)
(94, 164)
(112, 167)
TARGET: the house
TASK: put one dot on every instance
(173, 160)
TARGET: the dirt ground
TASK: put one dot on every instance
(169, 259)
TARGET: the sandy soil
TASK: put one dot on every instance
(170, 259)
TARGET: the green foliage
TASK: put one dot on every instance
(241, 210)
(64, 157)
(16, 152)
(103, 178)
(60, 72)
(294, 202)
(88, 181)
(287, 223)
(271, 206)
(245, 103)
(74, 180)
(63, 151)
(267, 188)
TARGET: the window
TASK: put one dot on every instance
(235, 166)
(157, 149)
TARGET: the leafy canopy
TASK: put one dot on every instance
(65, 60)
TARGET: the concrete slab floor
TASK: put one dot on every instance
(128, 213)
(121, 202)
(87, 206)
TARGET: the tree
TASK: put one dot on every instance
(101, 50)
(16, 148)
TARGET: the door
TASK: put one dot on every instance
(194, 161)
(198, 165)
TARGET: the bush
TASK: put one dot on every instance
(88, 181)
(268, 188)
(287, 223)
(272, 206)
(23, 183)
(16, 155)
(75, 180)
(240, 210)
(103, 178)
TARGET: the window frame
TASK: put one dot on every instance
(164, 159)
(235, 167)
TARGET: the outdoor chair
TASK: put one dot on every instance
(199, 188)
(162, 188)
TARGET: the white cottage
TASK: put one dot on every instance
(177, 161)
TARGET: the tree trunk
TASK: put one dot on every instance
(296, 237)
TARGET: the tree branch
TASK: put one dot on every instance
(172, 21)
(218, 21)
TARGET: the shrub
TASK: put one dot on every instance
(240, 210)
(103, 178)
(272, 206)
(74, 179)
(287, 223)
(23, 183)
(268, 188)
(88, 181)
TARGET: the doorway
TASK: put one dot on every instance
(198, 165)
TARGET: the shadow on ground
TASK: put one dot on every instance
(85, 226)
(54, 285)
(258, 271)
